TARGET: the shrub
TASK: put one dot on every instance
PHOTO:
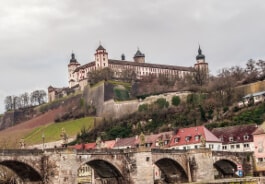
(143, 108)
(175, 100)
(162, 103)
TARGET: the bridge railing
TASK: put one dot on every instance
(21, 151)
(106, 151)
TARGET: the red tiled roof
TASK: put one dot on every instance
(154, 138)
(126, 142)
(85, 146)
(192, 132)
(235, 132)
(109, 144)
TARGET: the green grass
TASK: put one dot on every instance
(53, 131)
(125, 84)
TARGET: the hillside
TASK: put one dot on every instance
(31, 131)
(20, 130)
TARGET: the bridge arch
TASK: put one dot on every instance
(172, 171)
(225, 168)
(23, 170)
(106, 170)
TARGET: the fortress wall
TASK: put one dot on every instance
(252, 88)
(116, 110)
(110, 109)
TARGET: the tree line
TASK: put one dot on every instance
(24, 100)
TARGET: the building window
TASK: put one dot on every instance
(231, 139)
(260, 159)
(197, 137)
(232, 146)
(196, 147)
(246, 145)
(237, 146)
(187, 138)
(224, 147)
(177, 140)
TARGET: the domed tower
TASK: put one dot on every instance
(139, 57)
(72, 75)
(201, 64)
(101, 58)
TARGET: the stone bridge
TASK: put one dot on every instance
(128, 166)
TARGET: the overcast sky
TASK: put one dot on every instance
(37, 37)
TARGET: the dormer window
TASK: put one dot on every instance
(246, 137)
(197, 137)
(187, 138)
(222, 139)
(177, 139)
(231, 139)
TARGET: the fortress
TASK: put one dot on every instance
(78, 74)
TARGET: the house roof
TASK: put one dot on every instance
(109, 144)
(235, 132)
(85, 146)
(260, 129)
(154, 138)
(255, 94)
(192, 132)
(126, 142)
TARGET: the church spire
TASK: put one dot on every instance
(200, 55)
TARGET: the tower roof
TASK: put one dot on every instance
(100, 47)
(139, 54)
(200, 55)
(73, 60)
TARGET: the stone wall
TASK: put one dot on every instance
(251, 88)
(101, 97)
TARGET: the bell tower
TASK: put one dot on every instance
(72, 76)
(101, 58)
(200, 62)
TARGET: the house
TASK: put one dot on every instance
(86, 146)
(160, 140)
(255, 97)
(236, 138)
(194, 138)
(259, 149)
(125, 143)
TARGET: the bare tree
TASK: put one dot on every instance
(9, 103)
(251, 70)
(38, 97)
(261, 69)
(24, 99)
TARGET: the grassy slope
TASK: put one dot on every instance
(52, 132)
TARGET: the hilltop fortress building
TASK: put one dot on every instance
(78, 74)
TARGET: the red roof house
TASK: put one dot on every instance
(193, 138)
